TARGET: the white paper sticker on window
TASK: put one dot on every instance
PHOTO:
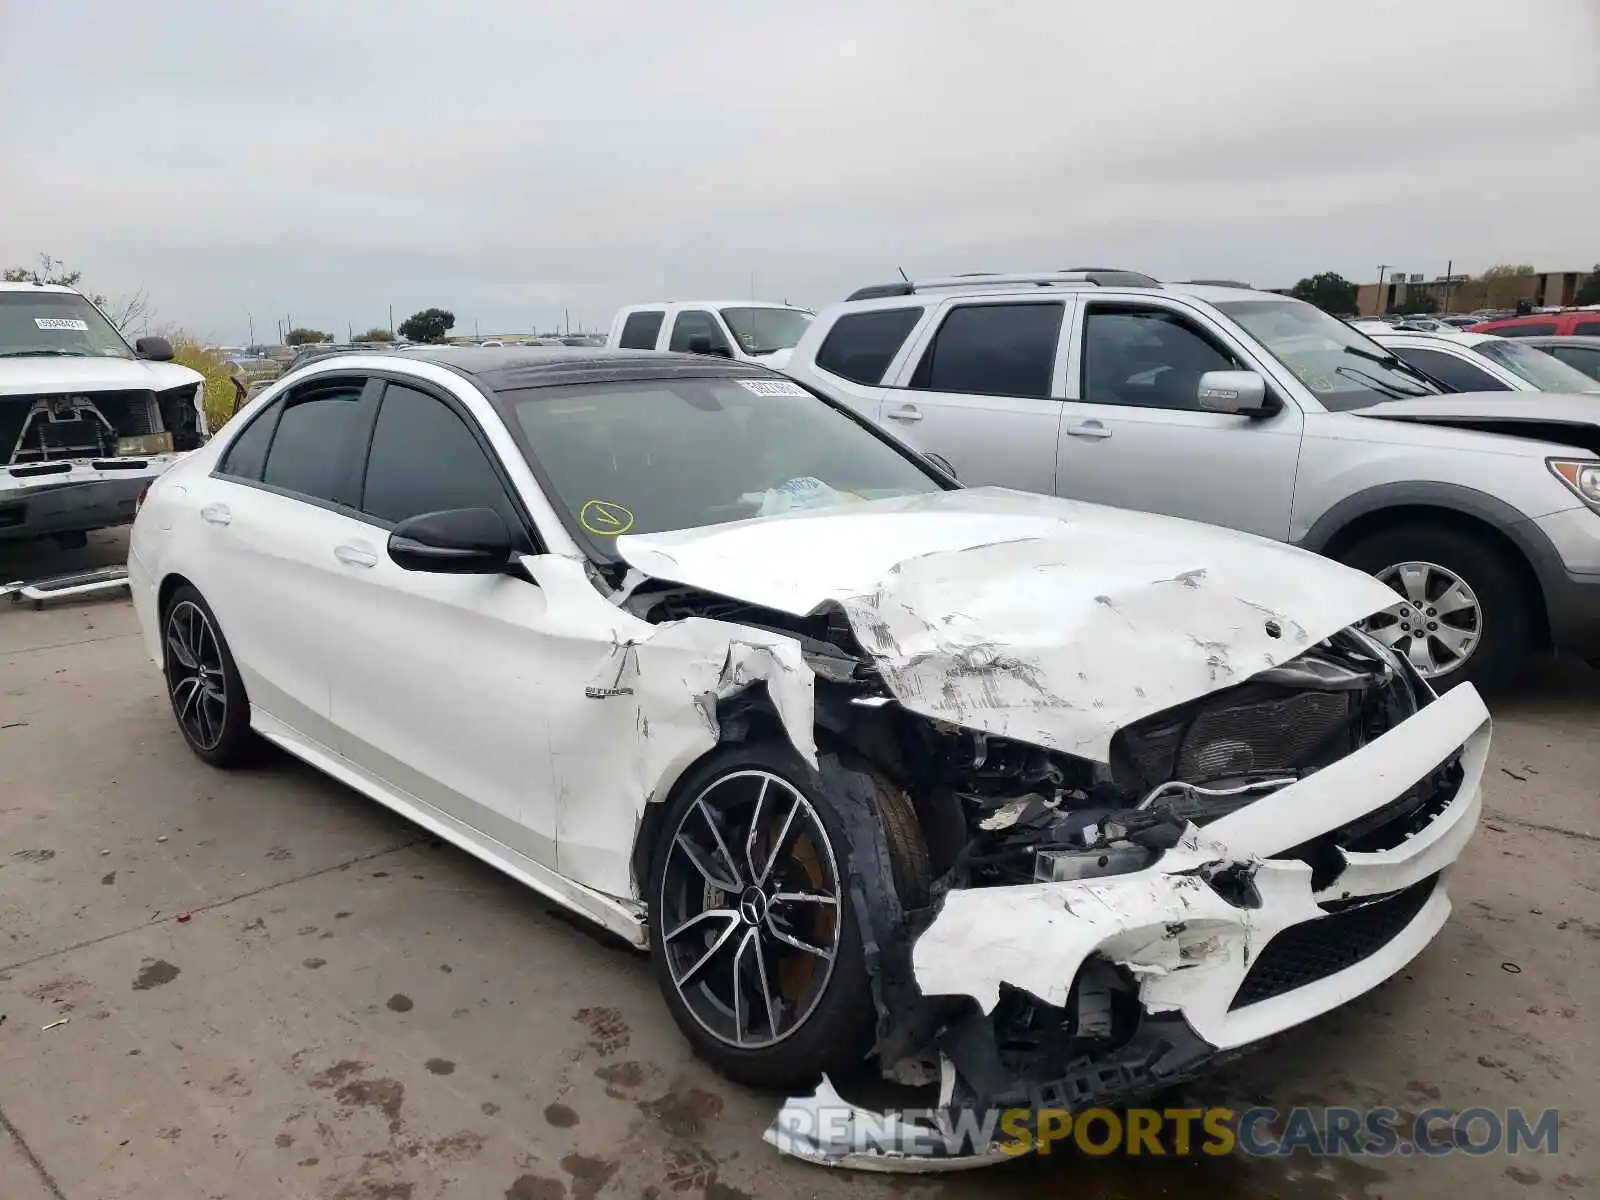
(61, 323)
(772, 387)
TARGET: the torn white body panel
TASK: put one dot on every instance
(1045, 620)
(1191, 948)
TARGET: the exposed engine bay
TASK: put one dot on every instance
(98, 425)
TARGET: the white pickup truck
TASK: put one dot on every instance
(745, 330)
(86, 420)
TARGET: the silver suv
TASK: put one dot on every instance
(1254, 411)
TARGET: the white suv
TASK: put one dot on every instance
(745, 330)
(1254, 411)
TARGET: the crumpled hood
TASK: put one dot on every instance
(1573, 408)
(1051, 621)
(31, 376)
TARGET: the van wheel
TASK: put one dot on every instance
(1465, 612)
(755, 938)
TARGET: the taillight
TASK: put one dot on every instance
(143, 492)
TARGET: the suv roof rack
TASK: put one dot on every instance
(1233, 283)
(1097, 276)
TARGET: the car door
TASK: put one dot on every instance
(1454, 369)
(1133, 434)
(272, 515)
(983, 391)
(440, 681)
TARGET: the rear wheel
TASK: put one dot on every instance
(756, 942)
(1464, 611)
(203, 683)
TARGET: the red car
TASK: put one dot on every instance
(1584, 322)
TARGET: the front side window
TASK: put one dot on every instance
(640, 330)
(1147, 357)
(766, 330)
(1341, 366)
(993, 350)
(1453, 372)
(37, 323)
(425, 459)
(313, 431)
(861, 345)
(696, 323)
(654, 455)
(1545, 372)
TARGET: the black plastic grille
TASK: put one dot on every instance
(1324, 946)
(131, 414)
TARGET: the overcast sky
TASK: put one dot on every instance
(508, 158)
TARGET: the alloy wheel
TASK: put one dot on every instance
(750, 909)
(1438, 622)
(195, 678)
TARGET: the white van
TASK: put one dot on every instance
(747, 330)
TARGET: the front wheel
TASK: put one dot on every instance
(1464, 612)
(755, 939)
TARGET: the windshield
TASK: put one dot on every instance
(1545, 371)
(661, 454)
(1341, 366)
(765, 330)
(34, 321)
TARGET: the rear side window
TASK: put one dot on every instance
(640, 330)
(313, 431)
(696, 323)
(1587, 328)
(1456, 374)
(993, 350)
(861, 345)
(425, 459)
(1531, 329)
(248, 452)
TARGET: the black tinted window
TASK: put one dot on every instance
(308, 447)
(640, 330)
(1454, 373)
(1148, 357)
(861, 346)
(1587, 328)
(425, 459)
(993, 350)
(1531, 329)
(248, 453)
(694, 324)
(1585, 358)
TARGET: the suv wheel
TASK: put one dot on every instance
(1465, 612)
(753, 931)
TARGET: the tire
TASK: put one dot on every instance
(210, 705)
(823, 1018)
(1505, 623)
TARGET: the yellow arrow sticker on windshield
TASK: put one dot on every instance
(604, 519)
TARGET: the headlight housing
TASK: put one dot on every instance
(1581, 475)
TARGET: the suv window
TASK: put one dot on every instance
(861, 345)
(993, 350)
(313, 430)
(1584, 358)
(247, 454)
(424, 458)
(1531, 329)
(1147, 358)
(1589, 328)
(640, 330)
(693, 323)
(1453, 372)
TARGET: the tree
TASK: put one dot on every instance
(429, 325)
(1589, 289)
(121, 312)
(1507, 283)
(1329, 291)
(305, 337)
(376, 335)
(1417, 303)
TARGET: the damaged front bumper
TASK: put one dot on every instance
(1230, 937)
(74, 496)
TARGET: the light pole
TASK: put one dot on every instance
(1377, 300)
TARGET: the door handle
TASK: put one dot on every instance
(906, 412)
(1093, 430)
(216, 514)
(355, 556)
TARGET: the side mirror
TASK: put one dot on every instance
(1241, 392)
(700, 343)
(155, 349)
(458, 541)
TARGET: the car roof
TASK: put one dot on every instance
(504, 368)
(1424, 336)
(745, 303)
(27, 285)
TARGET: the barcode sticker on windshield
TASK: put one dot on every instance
(61, 323)
(772, 387)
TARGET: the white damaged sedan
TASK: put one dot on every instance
(1048, 803)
